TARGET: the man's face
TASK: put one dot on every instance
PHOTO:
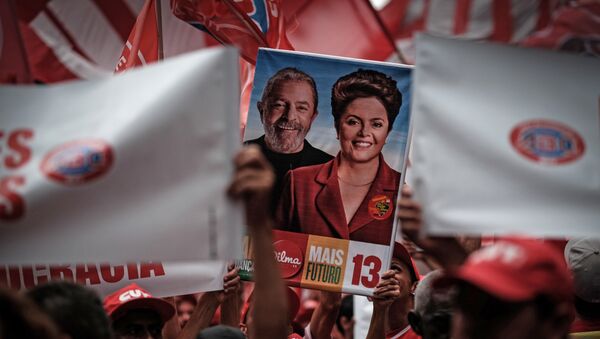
(139, 324)
(403, 277)
(287, 115)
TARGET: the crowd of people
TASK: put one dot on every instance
(513, 288)
(510, 287)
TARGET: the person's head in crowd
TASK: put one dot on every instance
(185, 305)
(516, 288)
(583, 258)
(432, 313)
(21, 318)
(406, 272)
(221, 332)
(76, 310)
(407, 276)
(287, 109)
(135, 313)
(345, 319)
(293, 305)
(393, 297)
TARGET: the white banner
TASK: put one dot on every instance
(129, 168)
(161, 279)
(506, 140)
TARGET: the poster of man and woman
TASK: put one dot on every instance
(335, 130)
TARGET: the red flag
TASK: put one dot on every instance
(69, 40)
(346, 28)
(246, 24)
(574, 28)
(494, 20)
(142, 46)
(13, 60)
(84, 39)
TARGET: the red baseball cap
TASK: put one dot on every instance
(133, 297)
(514, 270)
(401, 253)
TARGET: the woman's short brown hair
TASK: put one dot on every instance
(364, 84)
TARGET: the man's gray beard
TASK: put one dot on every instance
(282, 145)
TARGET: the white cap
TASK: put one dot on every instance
(583, 257)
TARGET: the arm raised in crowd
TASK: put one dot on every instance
(445, 250)
(230, 306)
(324, 317)
(252, 183)
(386, 292)
(208, 304)
(171, 329)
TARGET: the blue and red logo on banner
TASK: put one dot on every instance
(547, 142)
(78, 161)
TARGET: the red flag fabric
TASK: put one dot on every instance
(574, 28)
(508, 21)
(13, 62)
(84, 39)
(246, 24)
(141, 47)
(349, 28)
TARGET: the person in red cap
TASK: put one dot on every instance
(135, 313)
(393, 298)
(516, 288)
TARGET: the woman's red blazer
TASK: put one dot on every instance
(311, 203)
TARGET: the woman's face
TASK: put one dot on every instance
(363, 129)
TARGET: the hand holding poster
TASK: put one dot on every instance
(305, 109)
(506, 140)
(130, 168)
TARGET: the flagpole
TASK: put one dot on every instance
(158, 6)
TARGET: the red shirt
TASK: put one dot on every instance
(403, 333)
(311, 203)
(580, 325)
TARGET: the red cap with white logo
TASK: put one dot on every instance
(401, 253)
(515, 269)
(133, 297)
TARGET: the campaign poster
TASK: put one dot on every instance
(335, 130)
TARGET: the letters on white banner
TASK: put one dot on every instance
(124, 169)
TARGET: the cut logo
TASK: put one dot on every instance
(78, 161)
(547, 142)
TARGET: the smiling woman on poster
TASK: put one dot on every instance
(352, 196)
